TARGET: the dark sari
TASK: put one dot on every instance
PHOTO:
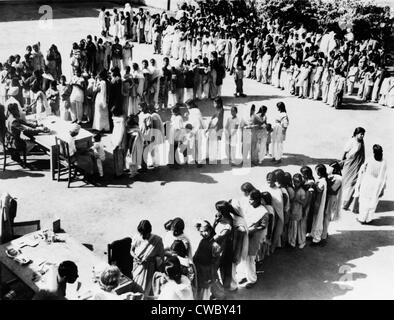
(226, 260)
(351, 166)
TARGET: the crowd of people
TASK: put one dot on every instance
(108, 89)
(227, 36)
(285, 212)
(114, 94)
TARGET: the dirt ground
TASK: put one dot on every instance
(356, 263)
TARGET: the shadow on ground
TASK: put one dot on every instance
(19, 173)
(30, 12)
(355, 103)
(385, 206)
(303, 160)
(313, 272)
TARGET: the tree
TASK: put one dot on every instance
(365, 18)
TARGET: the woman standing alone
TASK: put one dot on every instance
(353, 159)
(370, 185)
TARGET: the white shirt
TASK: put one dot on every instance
(254, 215)
(174, 291)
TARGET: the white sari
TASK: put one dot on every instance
(370, 184)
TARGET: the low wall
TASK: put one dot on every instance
(162, 4)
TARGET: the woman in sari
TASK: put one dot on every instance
(77, 96)
(148, 252)
(334, 192)
(118, 141)
(320, 205)
(168, 38)
(224, 236)
(278, 205)
(127, 84)
(214, 66)
(136, 89)
(154, 85)
(353, 159)
(370, 185)
(310, 189)
(194, 117)
(164, 84)
(390, 94)
(134, 145)
(279, 132)
(101, 118)
(214, 133)
(259, 134)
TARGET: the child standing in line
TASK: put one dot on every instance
(265, 248)
(269, 131)
(188, 144)
(189, 81)
(309, 187)
(233, 128)
(99, 153)
(297, 231)
(238, 78)
(206, 260)
(172, 94)
(53, 98)
(64, 95)
(320, 204)
(352, 78)
(369, 82)
(281, 184)
(107, 24)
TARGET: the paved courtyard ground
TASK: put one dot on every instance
(317, 134)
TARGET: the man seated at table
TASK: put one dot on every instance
(59, 276)
(83, 159)
(110, 280)
(15, 125)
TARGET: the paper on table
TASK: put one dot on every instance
(28, 242)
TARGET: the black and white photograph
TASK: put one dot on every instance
(217, 151)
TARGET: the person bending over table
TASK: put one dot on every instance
(16, 126)
(60, 276)
(82, 158)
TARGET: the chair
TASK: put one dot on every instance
(64, 163)
(6, 142)
(20, 229)
(130, 287)
(119, 255)
(56, 226)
